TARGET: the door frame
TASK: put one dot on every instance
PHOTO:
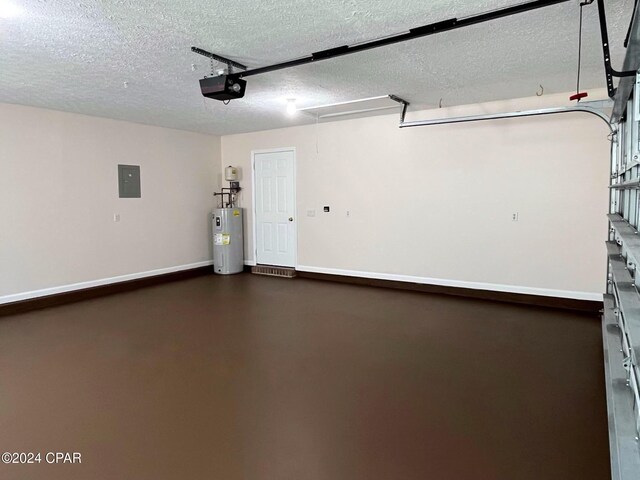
(254, 222)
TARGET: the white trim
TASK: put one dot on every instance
(253, 201)
(254, 234)
(544, 292)
(16, 297)
(250, 263)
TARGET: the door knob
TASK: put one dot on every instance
(291, 219)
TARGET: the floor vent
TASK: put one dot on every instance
(274, 271)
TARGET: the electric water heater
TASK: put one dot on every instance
(228, 244)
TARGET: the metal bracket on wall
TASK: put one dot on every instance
(404, 103)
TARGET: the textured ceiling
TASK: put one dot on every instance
(77, 55)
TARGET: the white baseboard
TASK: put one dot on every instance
(16, 297)
(544, 292)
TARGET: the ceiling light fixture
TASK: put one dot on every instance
(291, 106)
(353, 107)
(9, 10)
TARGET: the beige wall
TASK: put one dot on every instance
(59, 193)
(435, 204)
(428, 204)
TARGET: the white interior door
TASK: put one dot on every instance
(275, 208)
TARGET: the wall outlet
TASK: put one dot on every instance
(515, 216)
(116, 217)
(348, 213)
(311, 213)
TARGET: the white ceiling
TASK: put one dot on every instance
(77, 55)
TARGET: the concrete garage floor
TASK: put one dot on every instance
(259, 378)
